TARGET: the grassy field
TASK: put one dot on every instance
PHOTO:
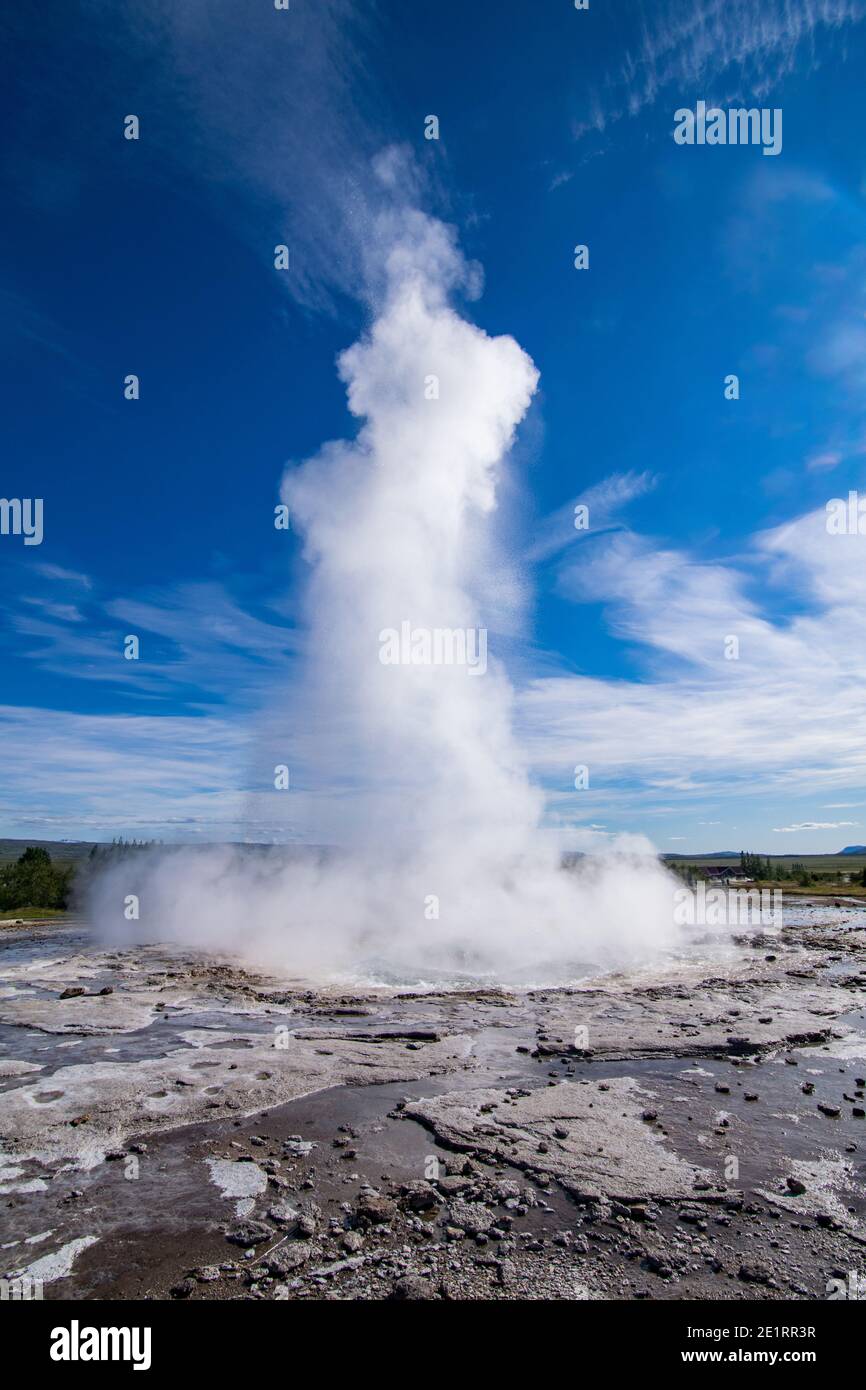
(821, 890)
(814, 863)
(31, 914)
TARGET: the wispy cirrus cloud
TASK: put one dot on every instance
(812, 825)
(197, 642)
(244, 87)
(744, 48)
(65, 612)
(604, 500)
(74, 577)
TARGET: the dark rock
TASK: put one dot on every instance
(411, 1288)
(374, 1210)
(249, 1233)
(453, 1185)
(307, 1225)
(419, 1196)
(288, 1258)
(284, 1214)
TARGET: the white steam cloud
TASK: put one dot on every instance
(443, 866)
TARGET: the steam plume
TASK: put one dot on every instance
(444, 865)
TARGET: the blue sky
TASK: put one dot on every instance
(708, 516)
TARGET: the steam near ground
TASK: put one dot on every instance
(444, 865)
(517, 919)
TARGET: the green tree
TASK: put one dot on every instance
(33, 881)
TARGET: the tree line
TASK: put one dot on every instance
(760, 869)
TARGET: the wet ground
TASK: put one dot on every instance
(175, 1126)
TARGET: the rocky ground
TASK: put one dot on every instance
(181, 1127)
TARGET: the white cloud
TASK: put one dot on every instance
(787, 717)
(92, 775)
(813, 825)
(823, 461)
(64, 575)
(63, 612)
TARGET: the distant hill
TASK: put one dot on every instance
(713, 854)
(853, 849)
(61, 851)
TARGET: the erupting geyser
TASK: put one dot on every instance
(408, 748)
